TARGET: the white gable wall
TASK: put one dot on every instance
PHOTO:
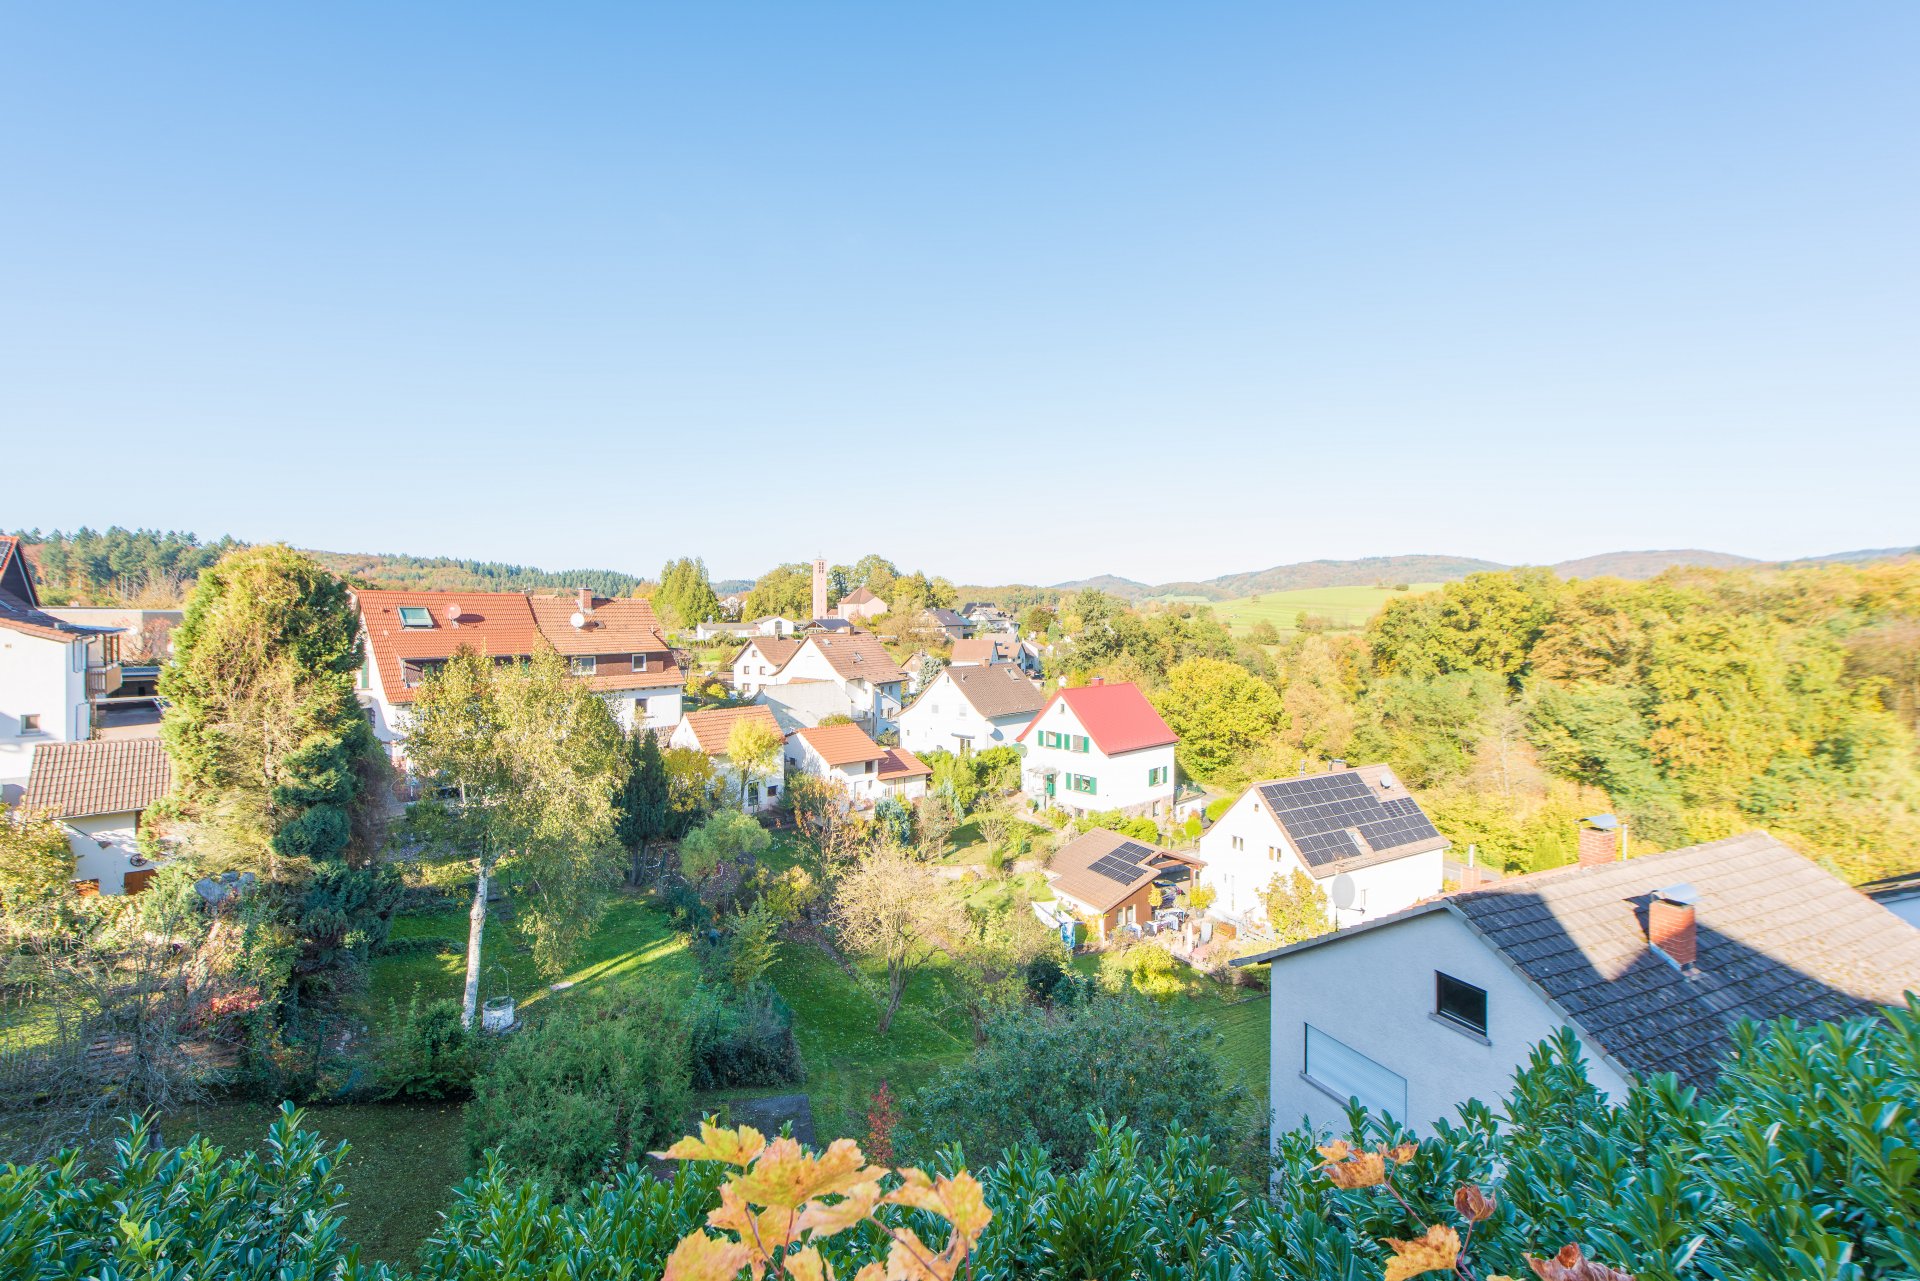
(1374, 992)
(753, 671)
(941, 717)
(1120, 782)
(104, 846)
(44, 678)
(1246, 849)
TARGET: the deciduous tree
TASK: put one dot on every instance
(893, 910)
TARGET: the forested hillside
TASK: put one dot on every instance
(1696, 704)
(447, 573)
(120, 566)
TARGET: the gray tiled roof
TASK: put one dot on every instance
(1778, 936)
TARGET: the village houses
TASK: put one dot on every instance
(1365, 842)
(970, 709)
(711, 731)
(616, 645)
(845, 755)
(1649, 961)
(100, 791)
(54, 674)
(1099, 747)
(856, 662)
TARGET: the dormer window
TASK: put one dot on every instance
(416, 617)
(639, 662)
(585, 664)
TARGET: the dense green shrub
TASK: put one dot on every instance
(584, 1090)
(741, 1039)
(434, 1055)
(1799, 1164)
(1042, 1076)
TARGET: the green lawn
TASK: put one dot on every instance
(1346, 607)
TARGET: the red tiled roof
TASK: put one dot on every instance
(509, 624)
(843, 744)
(102, 776)
(898, 763)
(20, 608)
(1118, 718)
(712, 728)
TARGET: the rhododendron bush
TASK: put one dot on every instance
(1804, 1162)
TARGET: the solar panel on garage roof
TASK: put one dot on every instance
(1124, 862)
(1323, 812)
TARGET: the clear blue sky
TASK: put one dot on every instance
(1002, 291)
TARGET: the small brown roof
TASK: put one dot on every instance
(712, 728)
(859, 596)
(1103, 868)
(898, 763)
(859, 656)
(998, 691)
(981, 651)
(842, 744)
(104, 776)
(776, 649)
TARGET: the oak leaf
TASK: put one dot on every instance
(1437, 1251)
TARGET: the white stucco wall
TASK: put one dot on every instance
(939, 718)
(1120, 781)
(875, 706)
(1239, 873)
(103, 847)
(1374, 992)
(44, 678)
(753, 671)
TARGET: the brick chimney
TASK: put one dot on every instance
(1599, 840)
(819, 586)
(1670, 924)
(583, 600)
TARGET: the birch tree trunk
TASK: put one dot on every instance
(476, 928)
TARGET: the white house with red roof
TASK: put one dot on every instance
(1099, 747)
(616, 646)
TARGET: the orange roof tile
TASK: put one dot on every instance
(509, 624)
(858, 656)
(712, 728)
(101, 776)
(898, 763)
(842, 744)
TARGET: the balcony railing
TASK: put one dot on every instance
(103, 680)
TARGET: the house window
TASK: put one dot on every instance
(585, 664)
(1079, 742)
(1273, 853)
(1157, 776)
(639, 662)
(1345, 1073)
(1459, 1002)
(415, 617)
(1239, 842)
(1086, 783)
(30, 724)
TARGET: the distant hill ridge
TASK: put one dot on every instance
(1369, 570)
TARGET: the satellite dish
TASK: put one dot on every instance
(579, 619)
(1345, 893)
(1386, 780)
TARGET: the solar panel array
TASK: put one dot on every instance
(1317, 813)
(1124, 862)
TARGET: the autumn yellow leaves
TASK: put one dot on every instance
(780, 1200)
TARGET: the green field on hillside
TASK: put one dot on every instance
(1344, 607)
